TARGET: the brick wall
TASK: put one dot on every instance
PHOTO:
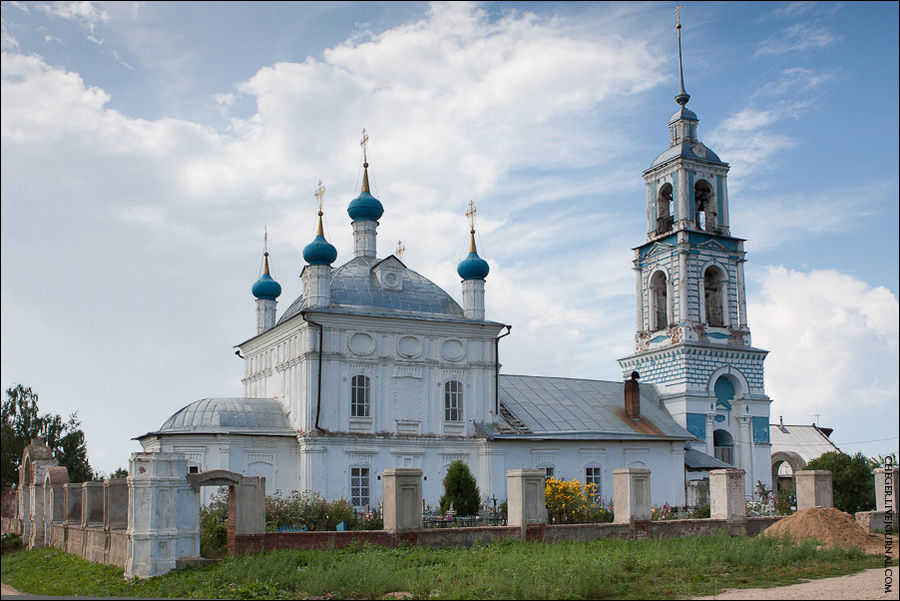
(464, 537)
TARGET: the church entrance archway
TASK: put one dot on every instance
(785, 464)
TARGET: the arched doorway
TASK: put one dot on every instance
(784, 465)
(723, 445)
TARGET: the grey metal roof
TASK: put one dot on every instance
(807, 441)
(355, 289)
(229, 415)
(545, 407)
(686, 150)
(699, 460)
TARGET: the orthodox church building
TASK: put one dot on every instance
(374, 366)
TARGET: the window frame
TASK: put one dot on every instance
(356, 390)
(360, 486)
(593, 474)
(453, 401)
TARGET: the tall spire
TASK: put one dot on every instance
(470, 213)
(682, 97)
(364, 142)
(266, 251)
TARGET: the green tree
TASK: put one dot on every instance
(461, 490)
(21, 422)
(854, 485)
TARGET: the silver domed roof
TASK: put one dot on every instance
(688, 150)
(355, 288)
(230, 415)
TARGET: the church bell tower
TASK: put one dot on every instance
(692, 339)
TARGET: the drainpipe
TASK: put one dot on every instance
(497, 370)
(319, 377)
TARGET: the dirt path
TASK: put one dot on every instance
(864, 585)
(5, 590)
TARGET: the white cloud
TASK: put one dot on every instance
(84, 13)
(749, 137)
(801, 36)
(834, 347)
(445, 99)
(768, 220)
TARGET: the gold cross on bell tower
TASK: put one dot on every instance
(364, 142)
(678, 8)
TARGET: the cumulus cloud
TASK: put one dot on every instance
(749, 137)
(834, 347)
(801, 36)
(457, 103)
(88, 14)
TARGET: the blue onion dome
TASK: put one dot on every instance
(473, 267)
(365, 207)
(319, 251)
(266, 288)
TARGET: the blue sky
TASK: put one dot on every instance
(145, 147)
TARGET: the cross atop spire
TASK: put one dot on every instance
(682, 97)
(320, 198)
(364, 142)
(470, 213)
(400, 250)
(266, 250)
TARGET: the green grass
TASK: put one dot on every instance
(644, 569)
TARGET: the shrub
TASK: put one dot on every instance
(784, 499)
(699, 512)
(305, 510)
(461, 490)
(213, 530)
(854, 486)
(570, 501)
(10, 542)
(367, 521)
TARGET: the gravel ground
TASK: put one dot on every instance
(864, 585)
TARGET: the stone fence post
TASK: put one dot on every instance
(631, 495)
(526, 497)
(115, 504)
(92, 503)
(886, 489)
(402, 493)
(814, 489)
(726, 498)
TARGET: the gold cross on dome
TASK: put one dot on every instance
(678, 8)
(364, 142)
(470, 213)
(320, 194)
(400, 249)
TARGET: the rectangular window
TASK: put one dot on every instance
(548, 472)
(359, 487)
(592, 476)
(359, 396)
(453, 401)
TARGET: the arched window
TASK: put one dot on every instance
(723, 443)
(660, 301)
(725, 391)
(705, 214)
(664, 217)
(453, 401)
(359, 396)
(714, 296)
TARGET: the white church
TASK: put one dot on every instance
(374, 366)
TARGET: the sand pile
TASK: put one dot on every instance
(829, 526)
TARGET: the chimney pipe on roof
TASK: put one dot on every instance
(633, 397)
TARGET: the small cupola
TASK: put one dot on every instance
(319, 251)
(266, 288)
